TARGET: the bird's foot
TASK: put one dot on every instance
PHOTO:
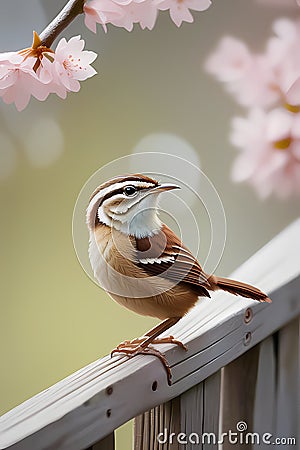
(141, 346)
(169, 340)
(144, 342)
(131, 350)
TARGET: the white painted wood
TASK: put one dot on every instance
(238, 395)
(73, 413)
(172, 420)
(138, 431)
(199, 413)
(194, 413)
(277, 405)
(212, 405)
(150, 427)
(265, 397)
(288, 382)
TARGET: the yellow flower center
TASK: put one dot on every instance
(292, 108)
(282, 144)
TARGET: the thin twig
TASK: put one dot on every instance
(71, 10)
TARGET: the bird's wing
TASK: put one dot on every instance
(164, 255)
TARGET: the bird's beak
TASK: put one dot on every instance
(164, 187)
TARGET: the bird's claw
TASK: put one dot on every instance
(135, 350)
(170, 340)
(136, 347)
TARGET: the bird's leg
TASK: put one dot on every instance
(162, 326)
(141, 346)
(152, 334)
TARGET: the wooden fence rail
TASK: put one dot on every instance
(242, 366)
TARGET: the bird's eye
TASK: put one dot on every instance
(130, 191)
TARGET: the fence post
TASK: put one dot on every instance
(238, 395)
(183, 420)
(288, 389)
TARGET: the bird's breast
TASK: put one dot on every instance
(113, 258)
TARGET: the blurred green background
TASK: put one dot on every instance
(54, 320)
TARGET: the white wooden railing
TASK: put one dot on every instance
(242, 365)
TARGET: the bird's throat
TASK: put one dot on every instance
(140, 225)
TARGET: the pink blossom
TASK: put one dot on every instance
(230, 60)
(249, 78)
(125, 13)
(143, 12)
(283, 53)
(103, 12)
(269, 139)
(120, 13)
(39, 71)
(10, 57)
(180, 9)
(293, 93)
(18, 81)
(70, 65)
(259, 79)
(269, 156)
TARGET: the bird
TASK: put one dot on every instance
(143, 265)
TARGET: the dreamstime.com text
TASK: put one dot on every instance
(235, 437)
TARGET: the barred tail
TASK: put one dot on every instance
(238, 288)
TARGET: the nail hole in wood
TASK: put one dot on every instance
(248, 315)
(247, 338)
(109, 390)
(154, 386)
(108, 412)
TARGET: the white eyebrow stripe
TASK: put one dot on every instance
(121, 185)
(96, 199)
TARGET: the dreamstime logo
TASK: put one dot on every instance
(241, 426)
(195, 213)
(239, 436)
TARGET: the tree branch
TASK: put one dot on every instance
(71, 10)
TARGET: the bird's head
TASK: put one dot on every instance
(128, 204)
